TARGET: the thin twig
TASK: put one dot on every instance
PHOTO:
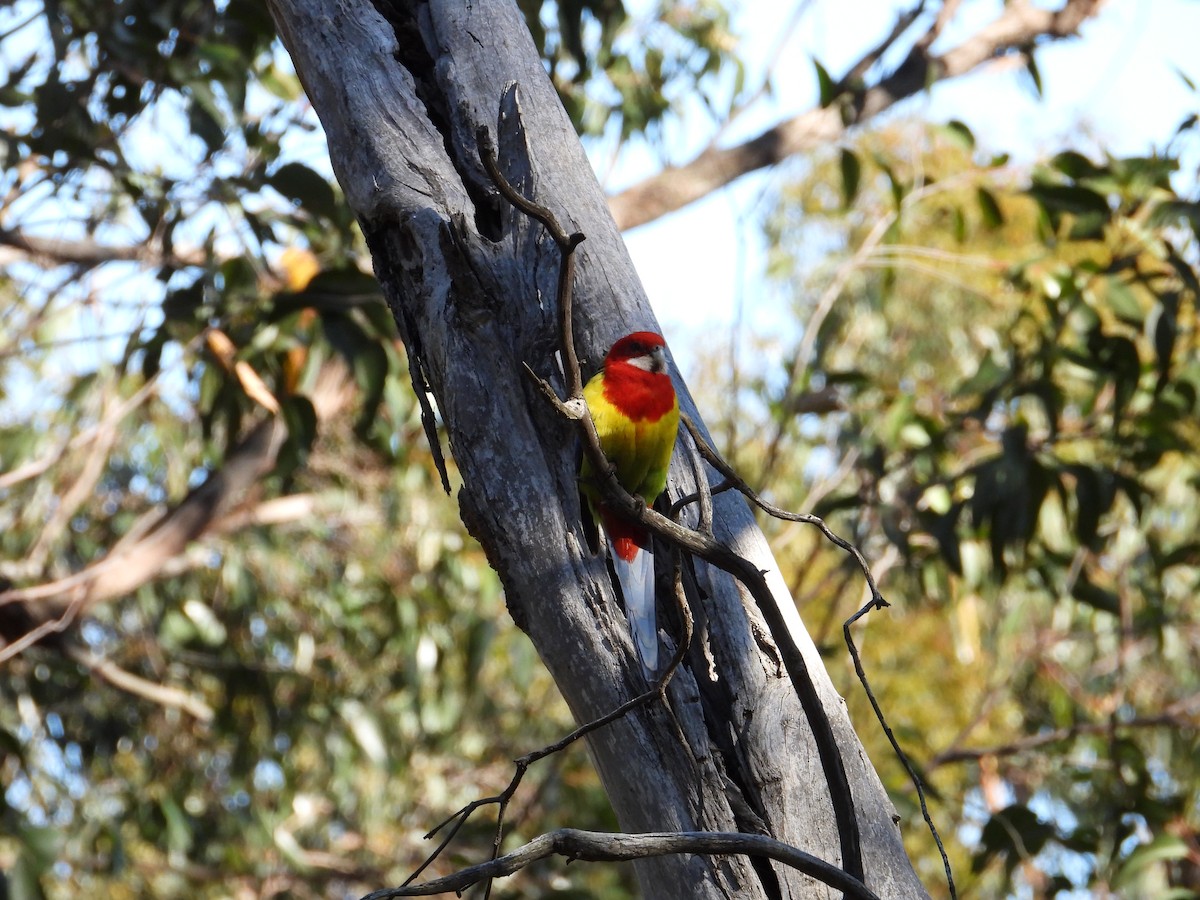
(101, 434)
(37, 467)
(50, 626)
(945, 14)
(24, 23)
(876, 601)
(644, 699)
(735, 481)
(27, 347)
(80, 490)
(900, 754)
(852, 80)
(523, 763)
(782, 38)
(804, 354)
(170, 697)
(1169, 719)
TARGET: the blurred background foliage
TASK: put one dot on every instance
(995, 396)
(1012, 440)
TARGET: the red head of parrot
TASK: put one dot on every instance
(633, 404)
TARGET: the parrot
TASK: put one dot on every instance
(636, 412)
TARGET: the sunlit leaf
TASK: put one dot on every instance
(304, 187)
(826, 85)
(851, 174)
(989, 208)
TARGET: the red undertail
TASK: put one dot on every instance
(634, 565)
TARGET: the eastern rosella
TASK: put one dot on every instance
(633, 404)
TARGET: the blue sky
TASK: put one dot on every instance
(1116, 87)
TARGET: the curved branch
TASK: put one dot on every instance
(1177, 717)
(595, 846)
(163, 695)
(1016, 29)
(88, 253)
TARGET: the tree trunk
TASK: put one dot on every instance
(401, 89)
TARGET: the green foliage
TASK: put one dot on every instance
(624, 74)
(328, 670)
(1018, 455)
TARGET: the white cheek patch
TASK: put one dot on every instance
(654, 361)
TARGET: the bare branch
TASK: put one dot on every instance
(89, 253)
(277, 511)
(43, 630)
(601, 847)
(1176, 717)
(945, 14)
(170, 697)
(779, 46)
(1017, 28)
(658, 690)
(566, 273)
(896, 748)
(857, 72)
(735, 481)
(70, 500)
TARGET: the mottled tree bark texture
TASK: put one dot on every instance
(401, 89)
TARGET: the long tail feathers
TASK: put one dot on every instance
(637, 584)
(634, 565)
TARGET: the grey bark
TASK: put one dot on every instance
(401, 89)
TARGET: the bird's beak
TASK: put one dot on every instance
(658, 360)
